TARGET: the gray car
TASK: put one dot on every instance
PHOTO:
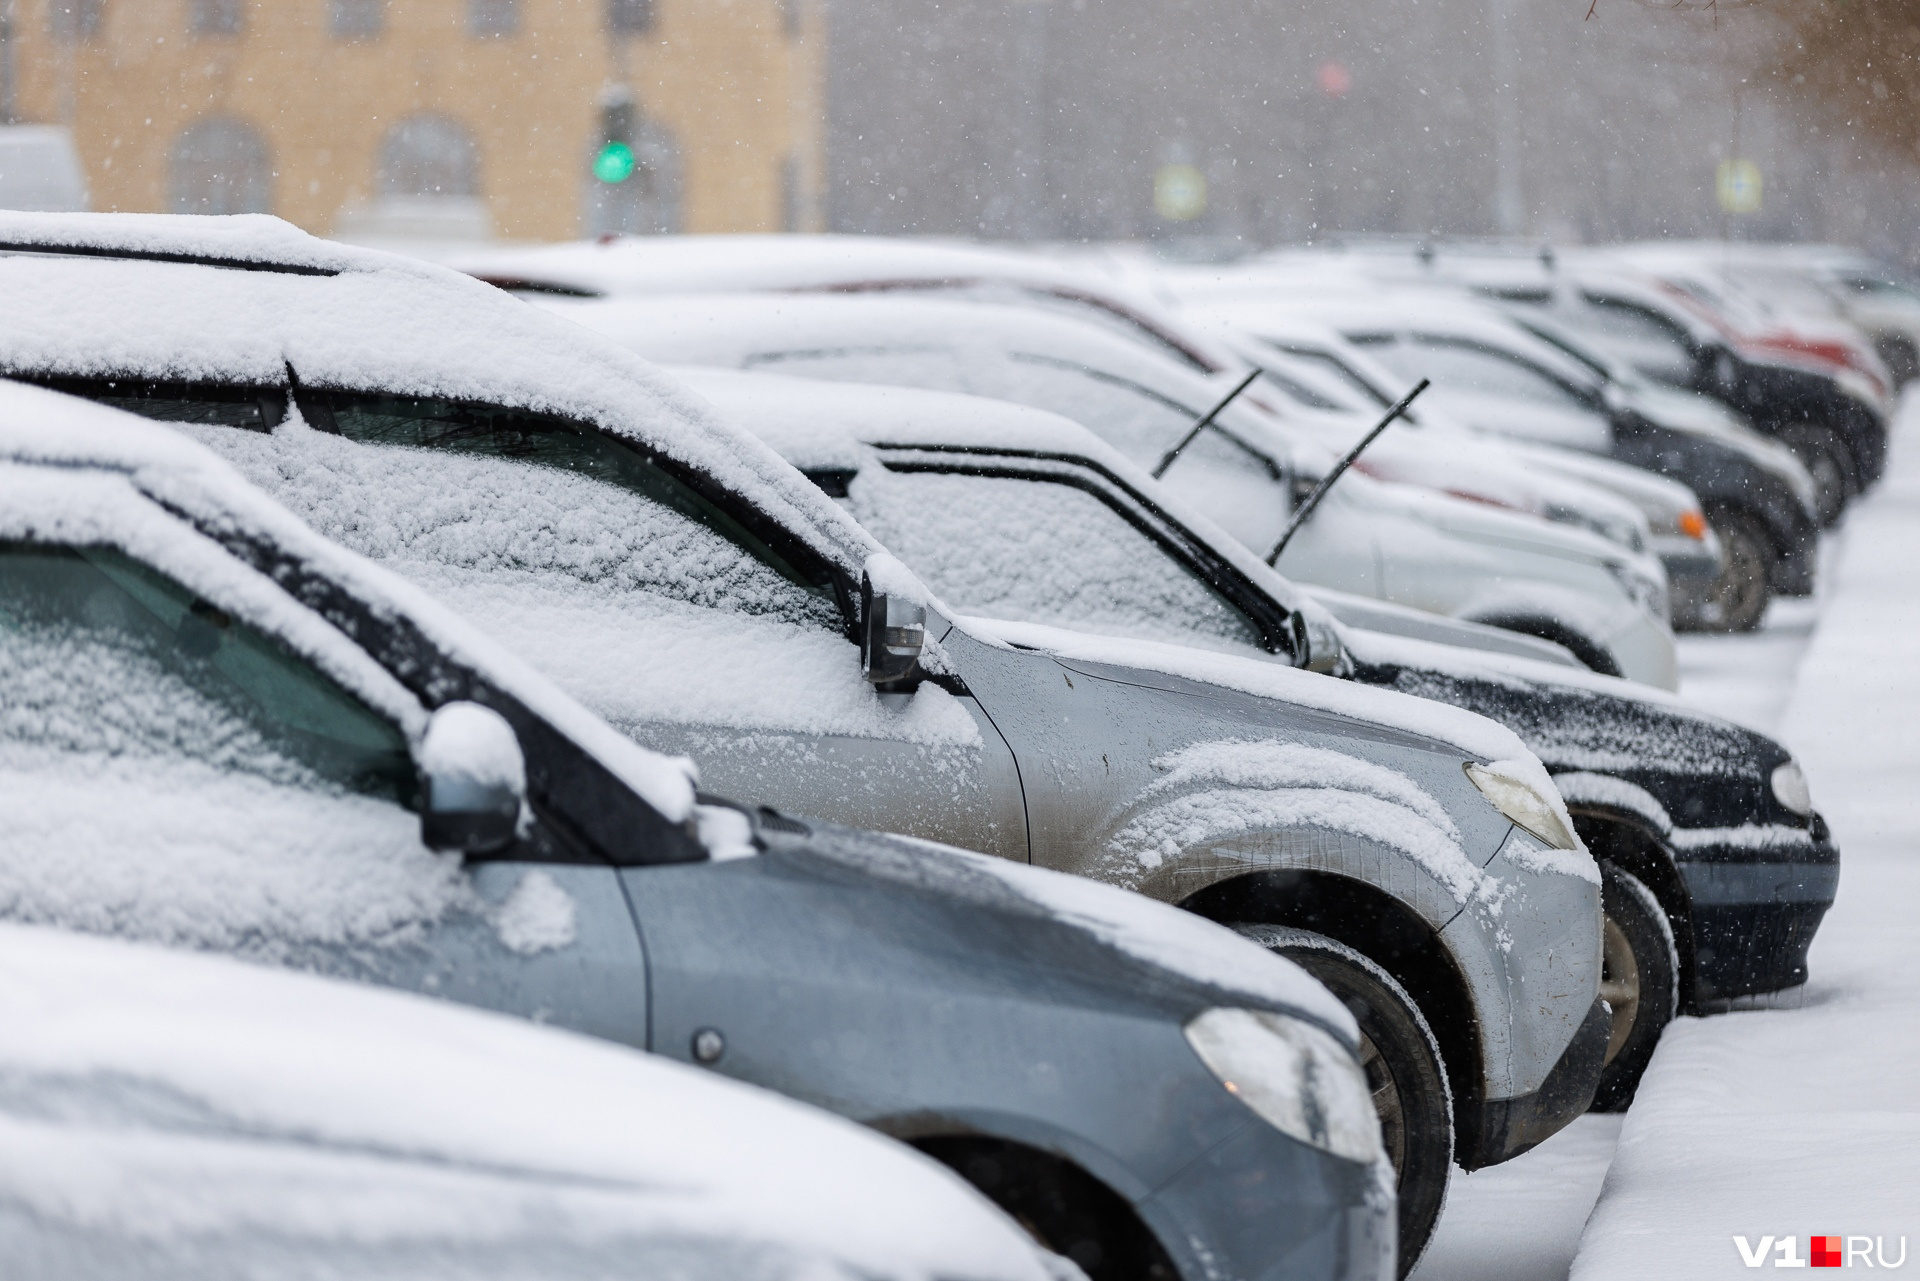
(223, 732)
(704, 597)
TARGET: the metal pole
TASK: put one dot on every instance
(1509, 211)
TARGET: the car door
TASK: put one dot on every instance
(179, 772)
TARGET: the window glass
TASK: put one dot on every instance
(1628, 323)
(356, 19)
(1042, 551)
(172, 774)
(100, 655)
(493, 17)
(176, 403)
(1239, 490)
(1457, 366)
(639, 595)
(1137, 421)
(220, 165)
(1326, 360)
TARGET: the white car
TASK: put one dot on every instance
(171, 1115)
(1416, 548)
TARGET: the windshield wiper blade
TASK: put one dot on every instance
(1206, 421)
(1320, 491)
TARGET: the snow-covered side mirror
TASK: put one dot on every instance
(473, 780)
(893, 625)
(1316, 647)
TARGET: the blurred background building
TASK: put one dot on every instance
(433, 119)
(1280, 120)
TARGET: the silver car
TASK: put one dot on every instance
(704, 597)
(223, 732)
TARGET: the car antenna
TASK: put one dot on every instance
(1206, 421)
(1339, 469)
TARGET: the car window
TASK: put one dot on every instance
(1031, 549)
(1241, 491)
(173, 774)
(1625, 322)
(1461, 366)
(105, 656)
(1368, 393)
(1137, 421)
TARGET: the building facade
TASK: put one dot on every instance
(521, 119)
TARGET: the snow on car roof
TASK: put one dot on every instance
(168, 1104)
(830, 420)
(625, 266)
(38, 426)
(371, 322)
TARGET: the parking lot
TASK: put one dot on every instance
(1795, 1107)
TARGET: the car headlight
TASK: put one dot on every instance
(1521, 802)
(1294, 1076)
(1791, 790)
(1641, 588)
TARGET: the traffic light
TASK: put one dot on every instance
(614, 163)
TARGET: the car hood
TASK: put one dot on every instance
(1686, 768)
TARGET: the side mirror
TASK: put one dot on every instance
(893, 626)
(474, 780)
(1315, 648)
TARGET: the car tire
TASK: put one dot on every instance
(1901, 357)
(1404, 1068)
(1737, 600)
(1830, 463)
(1639, 979)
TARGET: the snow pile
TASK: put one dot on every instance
(473, 745)
(537, 917)
(181, 1116)
(1215, 793)
(1801, 1119)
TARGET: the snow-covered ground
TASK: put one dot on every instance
(1797, 1117)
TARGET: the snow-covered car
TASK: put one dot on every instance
(1510, 376)
(224, 732)
(679, 578)
(1414, 547)
(1831, 417)
(1134, 309)
(1717, 869)
(168, 1115)
(1494, 374)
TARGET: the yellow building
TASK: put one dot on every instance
(537, 119)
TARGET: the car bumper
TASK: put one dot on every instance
(1752, 922)
(1686, 560)
(1261, 1206)
(1511, 1126)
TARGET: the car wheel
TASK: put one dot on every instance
(1736, 600)
(1404, 1069)
(1827, 460)
(1639, 980)
(1901, 356)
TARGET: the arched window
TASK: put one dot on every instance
(429, 155)
(220, 165)
(647, 199)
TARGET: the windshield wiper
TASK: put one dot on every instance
(1206, 421)
(1320, 491)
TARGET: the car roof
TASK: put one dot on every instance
(279, 1109)
(61, 436)
(621, 266)
(157, 297)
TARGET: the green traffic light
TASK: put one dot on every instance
(614, 163)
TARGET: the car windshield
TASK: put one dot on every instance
(1041, 548)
